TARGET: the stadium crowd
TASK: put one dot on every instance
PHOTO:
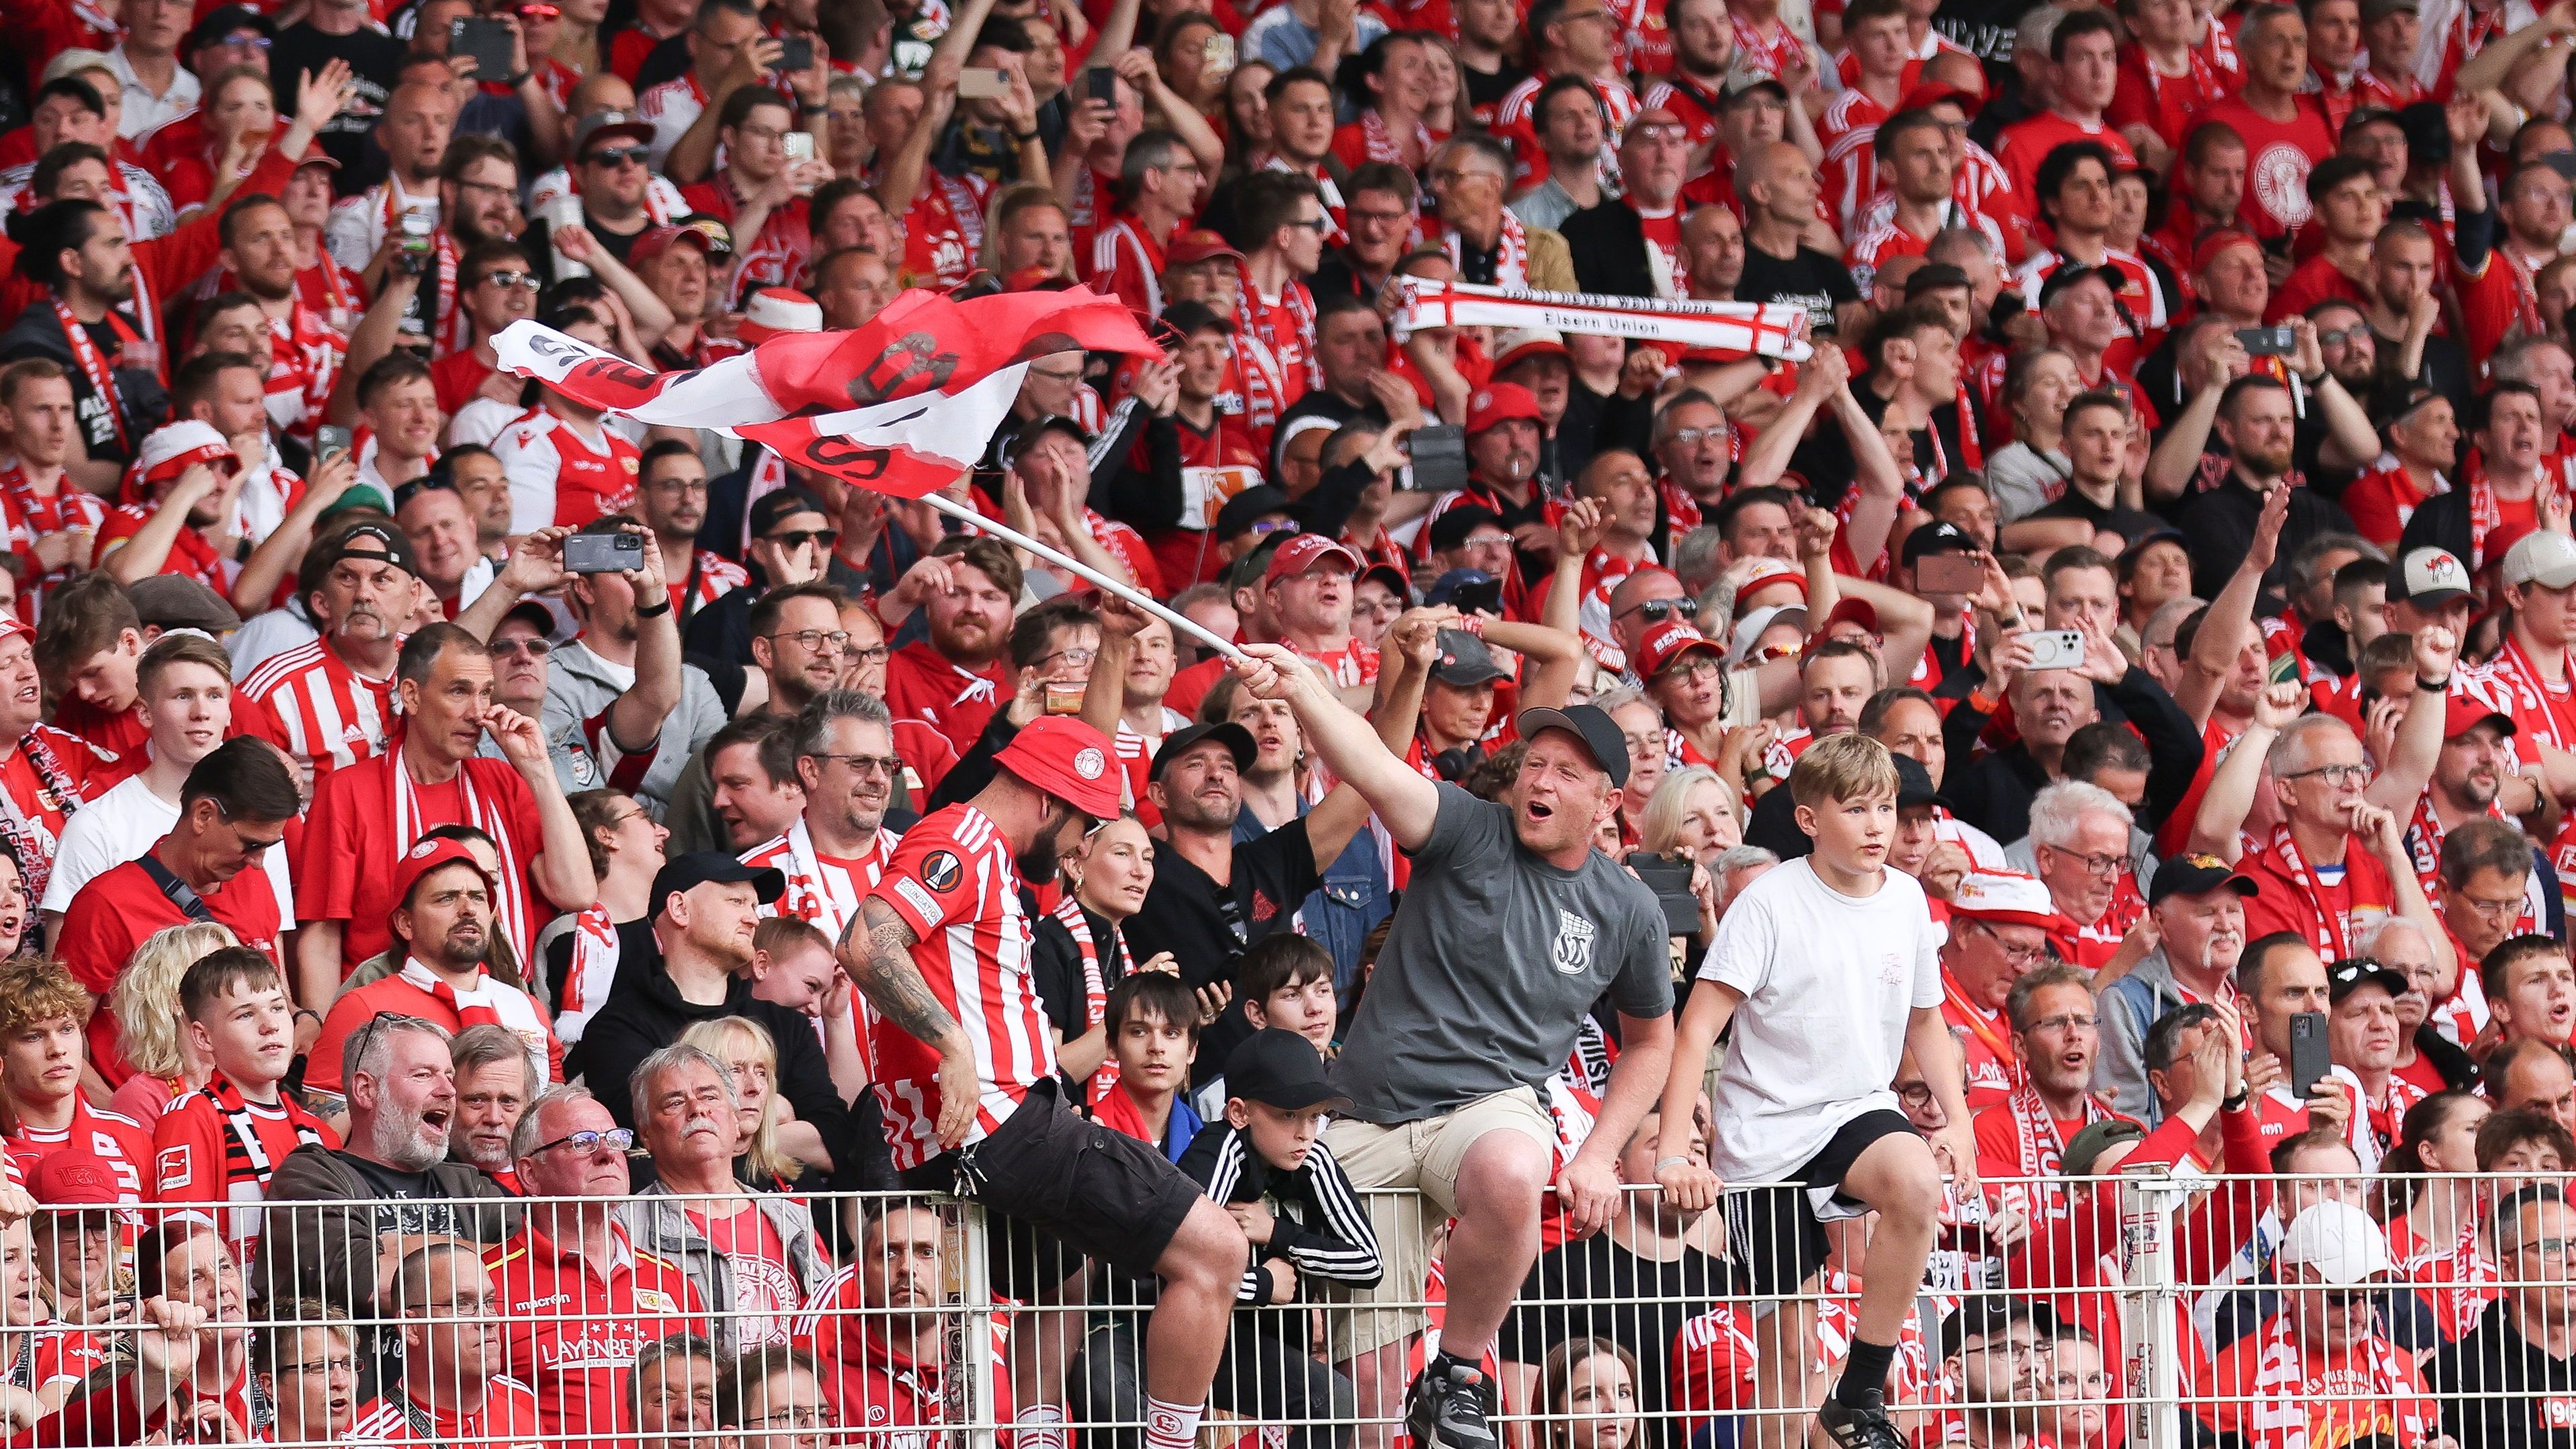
(499, 905)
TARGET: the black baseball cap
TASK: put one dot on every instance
(1237, 740)
(1450, 529)
(703, 867)
(375, 541)
(2345, 977)
(223, 21)
(1602, 738)
(1938, 536)
(1984, 1317)
(533, 614)
(2065, 277)
(1281, 1069)
(785, 502)
(2196, 875)
(1446, 587)
(1914, 784)
(1247, 507)
(1465, 662)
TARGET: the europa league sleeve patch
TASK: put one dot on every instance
(941, 872)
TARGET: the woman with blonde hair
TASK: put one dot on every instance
(1692, 812)
(778, 1149)
(149, 1031)
(1588, 1395)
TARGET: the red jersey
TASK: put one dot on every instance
(1127, 263)
(2146, 96)
(2024, 144)
(2093, 946)
(2277, 1393)
(190, 555)
(776, 256)
(47, 777)
(58, 1354)
(880, 1385)
(2021, 1139)
(510, 1417)
(365, 816)
(923, 684)
(31, 515)
(458, 378)
(955, 883)
(2278, 157)
(311, 703)
(572, 1336)
(124, 1144)
(711, 576)
(2381, 500)
(1985, 1038)
(118, 909)
(558, 476)
(213, 1146)
(2339, 918)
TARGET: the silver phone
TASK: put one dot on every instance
(2057, 649)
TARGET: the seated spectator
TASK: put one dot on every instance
(1635, 1284)
(578, 1300)
(581, 951)
(2079, 834)
(777, 1150)
(215, 1148)
(1153, 1026)
(2530, 990)
(2316, 1371)
(2199, 908)
(445, 925)
(494, 1084)
(452, 1389)
(2500, 1381)
(1078, 951)
(304, 1363)
(80, 1239)
(237, 802)
(336, 1225)
(1991, 1349)
(2533, 1076)
(2438, 1239)
(2323, 1169)
(1999, 934)
(2055, 1038)
(187, 1262)
(778, 1390)
(41, 1009)
(877, 1328)
(2072, 1370)
(672, 1389)
(2426, 1054)
(752, 1257)
(2523, 1142)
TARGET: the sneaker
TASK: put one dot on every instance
(1860, 1426)
(1447, 1407)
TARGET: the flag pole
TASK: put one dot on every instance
(1129, 592)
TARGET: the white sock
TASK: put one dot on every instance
(1170, 1426)
(1040, 1426)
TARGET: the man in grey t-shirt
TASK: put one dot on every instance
(1513, 927)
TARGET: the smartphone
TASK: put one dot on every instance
(1484, 598)
(2562, 162)
(603, 553)
(1669, 877)
(796, 52)
(1439, 455)
(981, 83)
(329, 442)
(2308, 1060)
(487, 41)
(2056, 649)
(2267, 341)
(1218, 58)
(800, 146)
(1064, 696)
(1103, 82)
(1949, 573)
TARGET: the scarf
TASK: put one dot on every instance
(2035, 1137)
(510, 906)
(2329, 923)
(1741, 329)
(593, 965)
(245, 1156)
(94, 366)
(55, 790)
(487, 1003)
(2485, 516)
(1265, 377)
(808, 897)
(1095, 994)
(1511, 253)
(1381, 142)
(1980, 1027)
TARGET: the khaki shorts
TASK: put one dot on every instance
(1423, 1156)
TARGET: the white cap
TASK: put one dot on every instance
(2544, 558)
(2007, 896)
(74, 62)
(1523, 342)
(2338, 1241)
(1762, 571)
(774, 311)
(2428, 578)
(1750, 627)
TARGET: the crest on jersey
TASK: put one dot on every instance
(1090, 764)
(1574, 937)
(940, 871)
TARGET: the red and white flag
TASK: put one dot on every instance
(1747, 329)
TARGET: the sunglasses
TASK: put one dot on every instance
(1658, 610)
(507, 280)
(618, 156)
(799, 537)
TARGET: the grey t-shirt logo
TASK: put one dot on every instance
(1574, 937)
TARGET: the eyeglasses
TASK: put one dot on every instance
(335, 1367)
(816, 639)
(799, 537)
(796, 1419)
(1073, 376)
(2345, 1298)
(2335, 775)
(1078, 658)
(616, 1139)
(1660, 132)
(2069, 1021)
(533, 648)
(254, 42)
(1695, 669)
(2343, 334)
(876, 653)
(1645, 744)
(375, 1027)
(2098, 866)
(2548, 1248)
(1690, 437)
(1917, 1095)
(867, 764)
(1315, 224)
(507, 280)
(2492, 910)
(247, 845)
(618, 156)
(1658, 610)
(2017, 955)
(1274, 525)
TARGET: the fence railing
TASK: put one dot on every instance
(871, 1319)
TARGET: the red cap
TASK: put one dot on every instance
(2218, 241)
(74, 1179)
(1498, 404)
(659, 239)
(1305, 551)
(1668, 642)
(11, 626)
(427, 856)
(1191, 247)
(1933, 93)
(1069, 760)
(2461, 713)
(1854, 611)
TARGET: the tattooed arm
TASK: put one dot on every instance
(881, 966)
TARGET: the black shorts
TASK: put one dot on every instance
(1779, 1240)
(1058, 1189)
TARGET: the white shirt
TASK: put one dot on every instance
(122, 825)
(145, 112)
(1829, 982)
(356, 228)
(267, 634)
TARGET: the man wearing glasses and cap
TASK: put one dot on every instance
(2317, 1371)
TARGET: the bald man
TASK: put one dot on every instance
(414, 131)
(1632, 245)
(1779, 188)
(2533, 1076)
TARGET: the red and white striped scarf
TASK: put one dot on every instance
(1095, 994)
(593, 965)
(1748, 329)
(488, 1002)
(2039, 1153)
(1511, 263)
(1381, 142)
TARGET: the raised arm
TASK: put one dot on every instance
(1399, 794)
(635, 719)
(880, 965)
(562, 866)
(2230, 796)
(2223, 630)
(2417, 747)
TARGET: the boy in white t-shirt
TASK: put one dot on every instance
(1829, 969)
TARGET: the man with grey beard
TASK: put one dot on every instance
(341, 1219)
(2199, 906)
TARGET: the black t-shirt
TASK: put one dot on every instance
(2538, 1407)
(1815, 280)
(1055, 965)
(1595, 1288)
(1488, 90)
(373, 58)
(2129, 523)
(1207, 927)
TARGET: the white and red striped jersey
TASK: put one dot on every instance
(1852, 110)
(711, 576)
(1516, 120)
(1127, 263)
(823, 889)
(314, 706)
(672, 108)
(2144, 296)
(307, 357)
(510, 1415)
(124, 1144)
(1887, 241)
(1849, 176)
(558, 476)
(954, 881)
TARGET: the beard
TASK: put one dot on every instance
(462, 946)
(398, 1140)
(1038, 859)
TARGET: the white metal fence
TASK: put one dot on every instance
(490, 1322)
